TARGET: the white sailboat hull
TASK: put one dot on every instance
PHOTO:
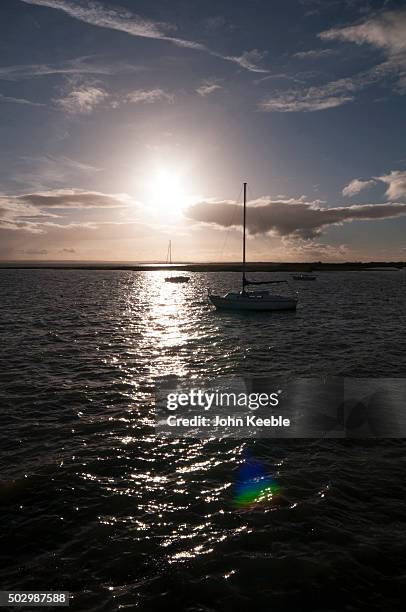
(254, 303)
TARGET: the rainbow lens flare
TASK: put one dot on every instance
(254, 485)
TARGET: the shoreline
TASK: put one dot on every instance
(208, 267)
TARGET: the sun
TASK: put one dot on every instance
(166, 190)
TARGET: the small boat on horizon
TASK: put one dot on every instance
(174, 279)
(177, 279)
(260, 300)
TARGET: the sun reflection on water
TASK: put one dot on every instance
(166, 322)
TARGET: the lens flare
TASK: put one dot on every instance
(254, 486)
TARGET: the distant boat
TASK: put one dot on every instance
(177, 279)
(253, 300)
(304, 277)
(174, 279)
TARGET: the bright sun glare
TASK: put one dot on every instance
(166, 190)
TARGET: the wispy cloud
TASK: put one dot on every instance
(305, 250)
(17, 213)
(355, 186)
(62, 218)
(125, 21)
(98, 15)
(38, 204)
(249, 60)
(13, 207)
(208, 87)
(37, 227)
(90, 65)
(311, 100)
(10, 100)
(385, 31)
(313, 54)
(291, 218)
(148, 96)
(321, 97)
(82, 99)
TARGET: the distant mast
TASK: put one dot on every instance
(243, 240)
(169, 253)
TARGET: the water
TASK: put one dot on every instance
(94, 504)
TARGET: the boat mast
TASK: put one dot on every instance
(169, 253)
(243, 240)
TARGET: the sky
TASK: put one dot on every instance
(126, 124)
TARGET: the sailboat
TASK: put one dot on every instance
(257, 299)
(173, 279)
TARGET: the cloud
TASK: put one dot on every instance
(16, 207)
(122, 20)
(77, 66)
(396, 181)
(148, 96)
(208, 87)
(385, 31)
(82, 100)
(249, 60)
(50, 213)
(8, 99)
(355, 186)
(305, 250)
(289, 218)
(75, 198)
(311, 100)
(28, 211)
(314, 54)
(330, 95)
(320, 97)
(17, 214)
(98, 15)
(17, 225)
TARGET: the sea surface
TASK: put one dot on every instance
(92, 502)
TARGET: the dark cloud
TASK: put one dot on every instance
(74, 198)
(31, 212)
(291, 218)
